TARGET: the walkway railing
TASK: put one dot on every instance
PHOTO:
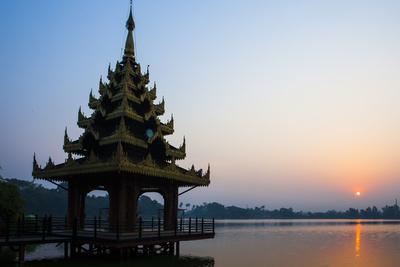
(96, 229)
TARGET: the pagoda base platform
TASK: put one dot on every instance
(98, 238)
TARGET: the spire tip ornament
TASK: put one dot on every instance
(35, 164)
(66, 138)
(130, 44)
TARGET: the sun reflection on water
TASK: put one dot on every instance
(358, 238)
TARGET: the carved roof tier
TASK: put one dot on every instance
(170, 171)
(74, 147)
(129, 95)
(125, 138)
(127, 112)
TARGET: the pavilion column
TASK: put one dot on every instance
(170, 207)
(81, 211)
(133, 192)
(76, 203)
(123, 203)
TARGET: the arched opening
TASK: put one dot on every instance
(97, 205)
(150, 205)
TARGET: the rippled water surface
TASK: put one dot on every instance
(306, 243)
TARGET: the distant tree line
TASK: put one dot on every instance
(39, 200)
(219, 211)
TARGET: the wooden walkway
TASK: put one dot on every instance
(98, 237)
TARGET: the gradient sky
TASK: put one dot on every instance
(294, 103)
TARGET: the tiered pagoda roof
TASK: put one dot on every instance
(124, 132)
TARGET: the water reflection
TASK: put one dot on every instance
(165, 261)
(303, 243)
(358, 239)
(282, 243)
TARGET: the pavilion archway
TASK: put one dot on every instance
(150, 205)
(124, 194)
(97, 204)
(169, 193)
(82, 202)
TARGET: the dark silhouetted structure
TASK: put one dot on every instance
(123, 149)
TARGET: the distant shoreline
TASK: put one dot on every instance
(345, 221)
(40, 200)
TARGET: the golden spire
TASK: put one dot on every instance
(130, 43)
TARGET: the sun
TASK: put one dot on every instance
(358, 193)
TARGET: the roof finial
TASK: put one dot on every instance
(130, 44)
(130, 23)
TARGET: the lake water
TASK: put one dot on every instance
(308, 243)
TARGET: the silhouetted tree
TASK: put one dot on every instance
(11, 203)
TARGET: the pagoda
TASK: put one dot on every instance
(123, 149)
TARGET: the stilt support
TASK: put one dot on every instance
(21, 254)
(171, 248)
(65, 250)
(177, 249)
(72, 250)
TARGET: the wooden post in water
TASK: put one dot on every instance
(95, 228)
(19, 226)
(117, 230)
(171, 248)
(21, 254)
(74, 235)
(44, 228)
(175, 228)
(36, 224)
(50, 224)
(140, 227)
(7, 229)
(65, 250)
(159, 227)
(75, 229)
(177, 249)
(213, 225)
(23, 223)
